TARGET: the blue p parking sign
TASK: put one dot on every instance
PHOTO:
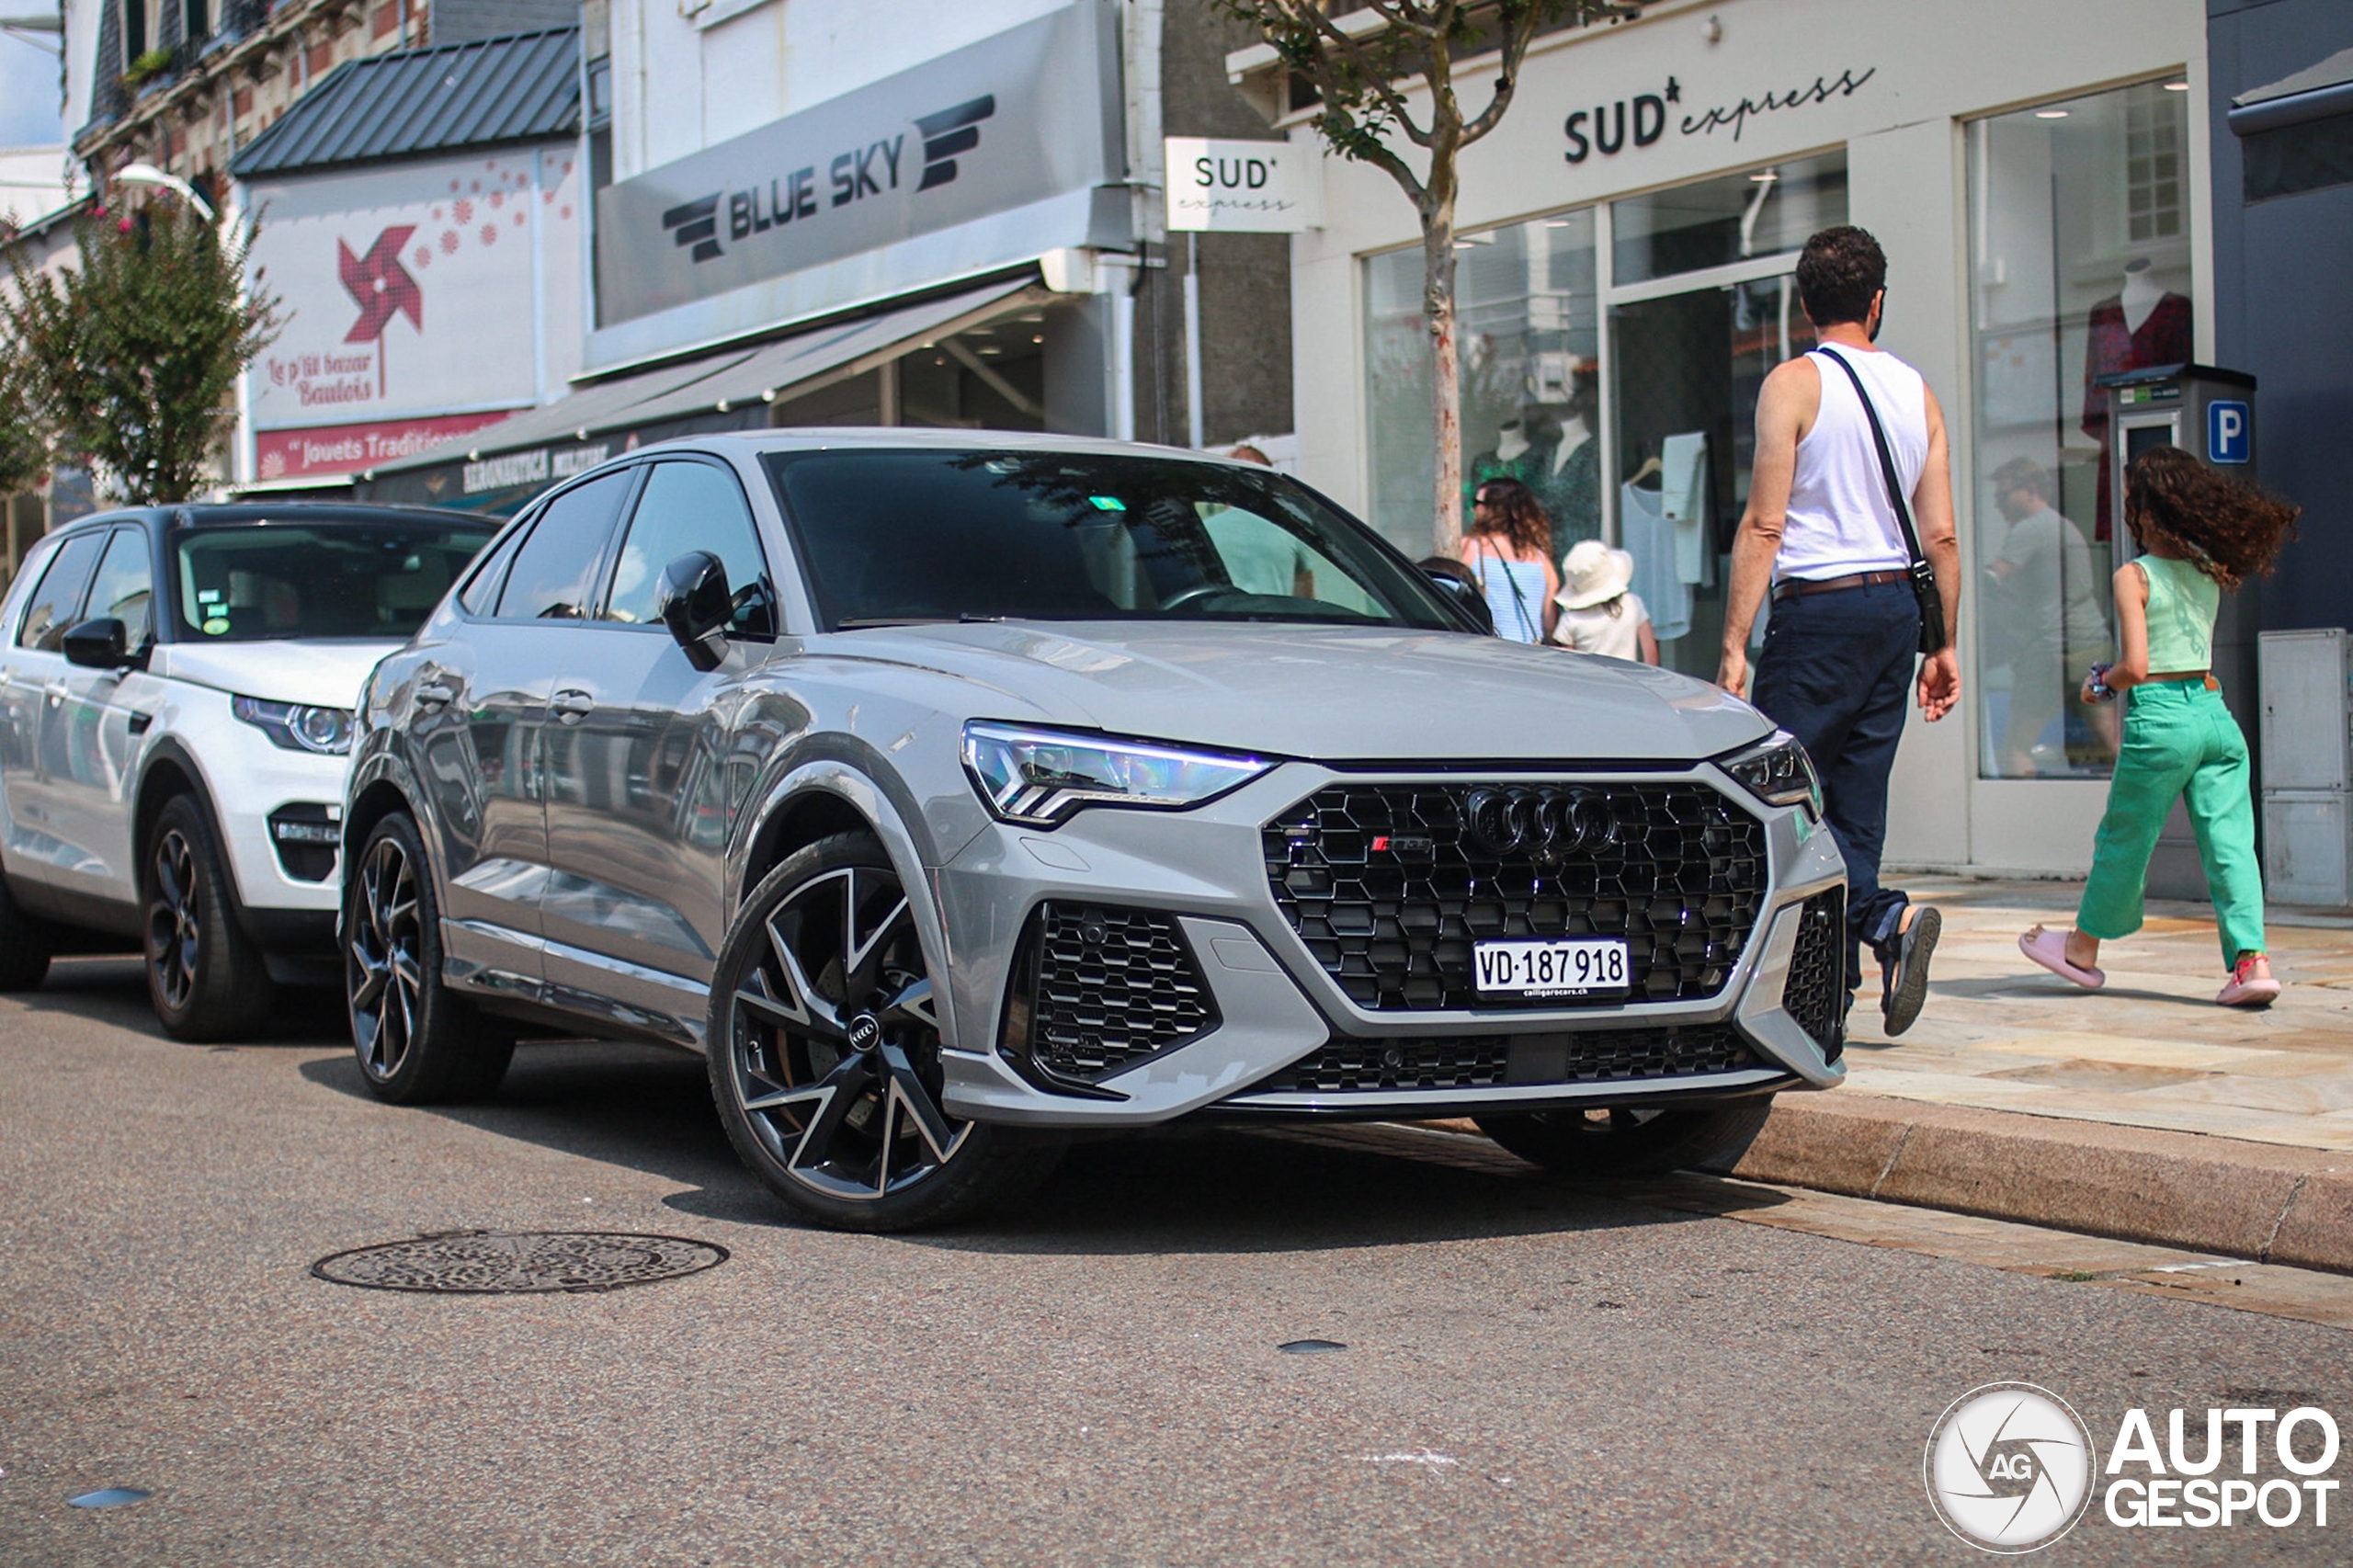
(2229, 432)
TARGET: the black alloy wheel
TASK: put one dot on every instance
(824, 1054)
(417, 1043)
(1624, 1140)
(205, 976)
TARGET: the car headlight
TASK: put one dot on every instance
(1040, 777)
(1778, 772)
(294, 726)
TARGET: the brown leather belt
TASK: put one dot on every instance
(1792, 587)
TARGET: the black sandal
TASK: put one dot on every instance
(1907, 976)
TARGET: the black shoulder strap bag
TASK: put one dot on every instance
(1933, 636)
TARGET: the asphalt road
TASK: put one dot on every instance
(1531, 1375)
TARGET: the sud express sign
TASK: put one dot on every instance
(1643, 120)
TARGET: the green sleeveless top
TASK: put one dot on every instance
(2182, 603)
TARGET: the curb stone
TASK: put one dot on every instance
(2263, 1203)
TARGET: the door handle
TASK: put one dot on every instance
(434, 694)
(571, 707)
(56, 694)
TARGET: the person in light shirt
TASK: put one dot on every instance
(1599, 614)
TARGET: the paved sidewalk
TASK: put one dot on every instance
(2140, 1111)
(2149, 1049)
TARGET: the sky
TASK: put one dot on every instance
(28, 91)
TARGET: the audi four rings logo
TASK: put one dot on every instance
(1554, 823)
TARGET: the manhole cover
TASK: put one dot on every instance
(508, 1262)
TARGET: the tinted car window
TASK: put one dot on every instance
(482, 590)
(58, 597)
(259, 581)
(555, 571)
(925, 535)
(686, 506)
(124, 588)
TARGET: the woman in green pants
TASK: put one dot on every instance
(2200, 534)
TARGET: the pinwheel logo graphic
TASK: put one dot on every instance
(382, 288)
(2009, 1467)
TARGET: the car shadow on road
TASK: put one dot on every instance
(112, 989)
(1207, 1188)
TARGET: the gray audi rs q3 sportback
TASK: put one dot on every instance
(952, 791)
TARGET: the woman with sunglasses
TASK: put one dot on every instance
(1510, 551)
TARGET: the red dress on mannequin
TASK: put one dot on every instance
(2162, 339)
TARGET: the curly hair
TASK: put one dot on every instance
(2229, 531)
(1516, 515)
(1840, 272)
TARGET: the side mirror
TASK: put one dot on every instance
(695, 605)
(1465, 593)
(97, 645)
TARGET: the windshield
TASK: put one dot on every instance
(268, 581)
(896, 537)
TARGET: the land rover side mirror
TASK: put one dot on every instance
(696, 605)
(97, 645)
(1468, 596)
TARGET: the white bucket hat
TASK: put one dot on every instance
(1593, 574)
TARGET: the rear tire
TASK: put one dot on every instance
(1624, 1142)
(205, 976)
(24, 946)
(417, 1041)
(824, 1055)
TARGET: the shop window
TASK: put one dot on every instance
(1689, 368)
(1718, 222)
(1528, 323)
(2080, 249)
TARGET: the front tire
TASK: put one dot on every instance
(418, 1042)
(1594, 1145)
(204, 975)
(824, 1054)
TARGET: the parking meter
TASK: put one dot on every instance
(2210, 414)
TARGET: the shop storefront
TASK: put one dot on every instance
(944, 245)
(2038, 178)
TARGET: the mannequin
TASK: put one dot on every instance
(2139, 294)
(1511, 440)
(2143, 323)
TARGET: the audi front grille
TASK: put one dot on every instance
(1389, 885)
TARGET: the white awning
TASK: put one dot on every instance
(729, 379)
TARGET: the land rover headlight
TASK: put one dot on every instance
(1040, 777)
(295, 726)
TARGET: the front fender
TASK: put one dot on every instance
(877, 801)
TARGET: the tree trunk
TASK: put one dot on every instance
(1437, 310)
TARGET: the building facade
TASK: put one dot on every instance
(2040, 177)
(890, 213)
(421, 223)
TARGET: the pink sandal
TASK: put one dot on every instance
(2048, 948)
(2247, 989)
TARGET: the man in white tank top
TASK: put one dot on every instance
(1821, 532)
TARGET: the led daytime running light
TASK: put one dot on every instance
(1040, 777)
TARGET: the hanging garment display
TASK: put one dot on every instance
(1645, 534)
(1683, 493)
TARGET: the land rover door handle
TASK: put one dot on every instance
(434, 694)
(571, 705)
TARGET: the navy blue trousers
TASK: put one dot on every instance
(1835, 673)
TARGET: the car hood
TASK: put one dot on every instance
(1337, 694)
(325, 674)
